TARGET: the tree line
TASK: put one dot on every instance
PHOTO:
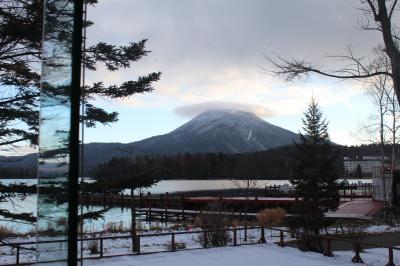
(11, 173)
(271, 164)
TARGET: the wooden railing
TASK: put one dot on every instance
(283, 234)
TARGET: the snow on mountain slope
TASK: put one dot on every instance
(226, 131)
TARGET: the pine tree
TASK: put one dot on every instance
(20, 57)
(358, 172)
(21, 27)
(314, 175)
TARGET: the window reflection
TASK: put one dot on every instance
(54, 130)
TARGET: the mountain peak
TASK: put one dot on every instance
(230, 131)
(219, 118)
(213, 131)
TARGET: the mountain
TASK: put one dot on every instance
(226, 131)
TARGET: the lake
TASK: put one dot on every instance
(189, 185)
(123, 214)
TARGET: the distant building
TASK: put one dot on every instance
(381, 187)
(368, 165)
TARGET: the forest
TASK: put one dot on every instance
(270, 164)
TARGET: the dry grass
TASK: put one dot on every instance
(178, 245)
(117, 228)
(271, 217)
(6, 232)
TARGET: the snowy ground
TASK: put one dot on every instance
(255, 255)
(124, 246)
(192, 241)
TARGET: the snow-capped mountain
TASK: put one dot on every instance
(227, 131)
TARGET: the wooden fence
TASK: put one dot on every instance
(280, 237)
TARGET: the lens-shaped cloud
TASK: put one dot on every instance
(193, 110)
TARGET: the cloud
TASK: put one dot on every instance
(211, 54)
(213, 50)
(193, 110)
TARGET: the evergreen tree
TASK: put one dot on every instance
(358, 172)
(21, 27)
(314, 175)
(20, 56)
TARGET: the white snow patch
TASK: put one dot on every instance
(258, 255)
(250, 134)
(376, 229)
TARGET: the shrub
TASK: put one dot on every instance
(356, 230)
(216, 222)
(178, 245)
(271, 217)
(5, 231)
(116, 227)
(93, 247)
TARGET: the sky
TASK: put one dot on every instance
(212, 55)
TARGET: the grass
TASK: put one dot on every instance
(6, 232)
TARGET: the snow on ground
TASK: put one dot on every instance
(124, 245)
(255, 255)
(190, 241)
(371, 257)
(376, 229)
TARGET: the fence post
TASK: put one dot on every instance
(17, 260)
(101, 247)
(205, 240)
(357, 258)
(262, 237)
(172, 242)
(235, 237)
(166, 203)
(281, 243)
(138, 244)
(183, 206)
(390, 263)
(328, 249)
(351, 193)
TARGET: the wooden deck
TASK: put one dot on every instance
(360, 209)
(190, 203)
(179, 207)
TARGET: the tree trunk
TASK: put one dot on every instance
(393, 153)
(245, 210)
(382, 143)
(390, 46)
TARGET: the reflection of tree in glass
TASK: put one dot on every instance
(20, 58)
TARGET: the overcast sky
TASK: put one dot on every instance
(211, 55)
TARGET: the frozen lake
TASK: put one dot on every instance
(117, 215)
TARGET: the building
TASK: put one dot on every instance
(365, 166)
